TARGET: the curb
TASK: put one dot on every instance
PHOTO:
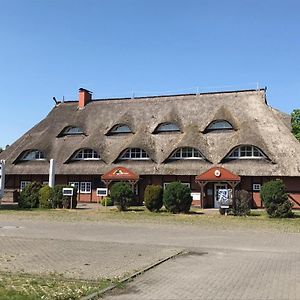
(96, 295)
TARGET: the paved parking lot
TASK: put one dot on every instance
(220, 264)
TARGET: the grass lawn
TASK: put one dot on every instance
(258, 220)
(31, 287)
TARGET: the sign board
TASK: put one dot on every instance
(67, 191)
(196, 196)
(2, 177)
(223, 197)
(102, 192)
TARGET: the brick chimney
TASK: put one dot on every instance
(85, 97)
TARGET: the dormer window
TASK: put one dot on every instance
(167, 127)
(246, 152)
(219, 125)
(134, 154)
(71, 130)
(186, 153)
(33, 155)
(86, 154)
(119, 129)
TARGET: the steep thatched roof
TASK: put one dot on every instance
(254, 122)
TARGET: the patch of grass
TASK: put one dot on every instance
(258, 220)
(30, 287)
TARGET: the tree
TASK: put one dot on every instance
(153, 197)
(122, 195)
(296, 123)
(276, 200)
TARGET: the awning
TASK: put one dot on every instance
(120, 174)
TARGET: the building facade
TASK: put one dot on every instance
(161, 139)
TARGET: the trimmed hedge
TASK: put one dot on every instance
(106, 201)
(276, 200)
(29, 197)
(153, 197)
(60, 201)
(177, 198)
(122, 195)
(45, 197)
(241, 203)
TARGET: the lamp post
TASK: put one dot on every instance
(2, 178)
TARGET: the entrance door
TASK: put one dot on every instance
(218, 186)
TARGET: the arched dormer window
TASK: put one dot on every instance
(246, 152)
(86, 154)
(219, 125)
(71, 130)
(119, 129)
(167, 127)
(33, 155)
(186, 153)
(134, 154)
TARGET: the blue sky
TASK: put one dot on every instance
(113, 47)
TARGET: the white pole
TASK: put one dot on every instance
(52, 173)
(2, 178)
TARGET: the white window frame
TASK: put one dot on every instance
(85, 187)
(180, 150)
(239, 149)
(74, 184)
(184, 183)
(45, 182)
(24, 183)
(82, 154)
(40, 155)
(256, 187)
(128, 154)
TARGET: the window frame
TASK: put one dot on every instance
(256, 187)
(184, 183)
(181, 156)
(241, 153)
(113, 130)
(131, 153)
(159, 128)
(75, 184)
(211, 124)
(24, 183)
(95, 155)
(84, 189)
(41, 155)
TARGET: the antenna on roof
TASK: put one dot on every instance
(132, 95)
(63, 99)
(257, 86)
(56, 102)
(197, 92)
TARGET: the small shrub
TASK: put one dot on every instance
(29, 197)
(241, 203)
(177, 198)
(45, 197)
(60, 201)
(276, 200)
(153, 197)
(106, 201)
(122, 195)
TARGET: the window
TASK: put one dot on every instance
(120, 128)
(249, 152)
(71, 130)
(219, 125)
(74, 184)
(167, 127)
(45, 182)
(184, 183)
(86, 154)
(23, 184)
(33, 155)
(256, 187)
(85, 187)
(186, 153)
(135, 154)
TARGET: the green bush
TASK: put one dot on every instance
(276, 200)
(177, 198)
(60, 201)
(122, 195)
(29, 197)
(45, 197)
(106, 201)
(241, 203)
(153, 197)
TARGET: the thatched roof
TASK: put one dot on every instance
(255, 123)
